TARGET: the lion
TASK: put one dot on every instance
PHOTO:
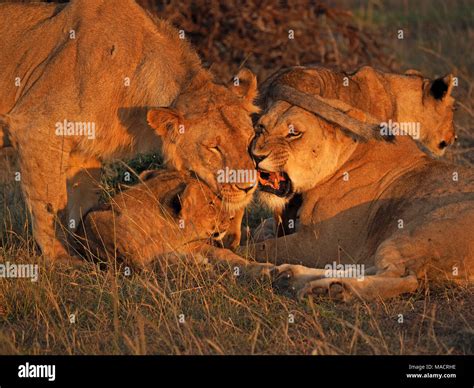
(408, 103)
(75, 91)
(385, 205)
(169, 214)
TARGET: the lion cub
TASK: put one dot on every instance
(169, 213)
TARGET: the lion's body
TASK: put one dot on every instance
(387, 206)
(82, 77)
(393, 193)
(105, 64)
(168, 214)
(388, 186)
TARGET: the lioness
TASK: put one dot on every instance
(385, 205)
(77, 82)
(168, 214)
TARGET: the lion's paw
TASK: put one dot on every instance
(291, 278)
(283, 279)
(259, 271)
(334, 289)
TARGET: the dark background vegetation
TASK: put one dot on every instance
(140, 314)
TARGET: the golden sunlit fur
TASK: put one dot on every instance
(386, 205)
(407, 98)
(108, 63)
(168, 214)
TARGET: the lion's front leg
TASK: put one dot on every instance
(368, 288)
(240, 265)
(373, 283)
(43, 180)
(296, 248)
(234, 233)
(83, 187)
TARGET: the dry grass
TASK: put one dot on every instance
(139, 314)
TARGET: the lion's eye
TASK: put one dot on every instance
(214, 149)
(259, 129)
(294, 134)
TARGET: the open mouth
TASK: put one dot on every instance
(277, 183)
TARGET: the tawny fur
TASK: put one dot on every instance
(368, 95)
(168, 215)
(354, 196)
(107, 63)
(408, 97)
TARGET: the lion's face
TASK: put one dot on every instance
(295, 151)
(415, 105)
(209, 133)
(204, 214)
(429, 103)
(216, 143)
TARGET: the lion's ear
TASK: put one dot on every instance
(244, 85)
(165, 121)
(188, 199)
(441, 87)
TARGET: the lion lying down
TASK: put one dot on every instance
(398, 104)
(170, 214)
(385, 205)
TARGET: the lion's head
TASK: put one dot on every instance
(428, 102)
(294, 151)
(299, 139)
(213, 136)
(203, 213)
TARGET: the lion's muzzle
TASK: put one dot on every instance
(277, 183)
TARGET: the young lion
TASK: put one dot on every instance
(108, 63)
(168, 214)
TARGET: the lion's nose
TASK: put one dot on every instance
(257, 149)
(259, 158)
(246, 187)
(449, 139)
